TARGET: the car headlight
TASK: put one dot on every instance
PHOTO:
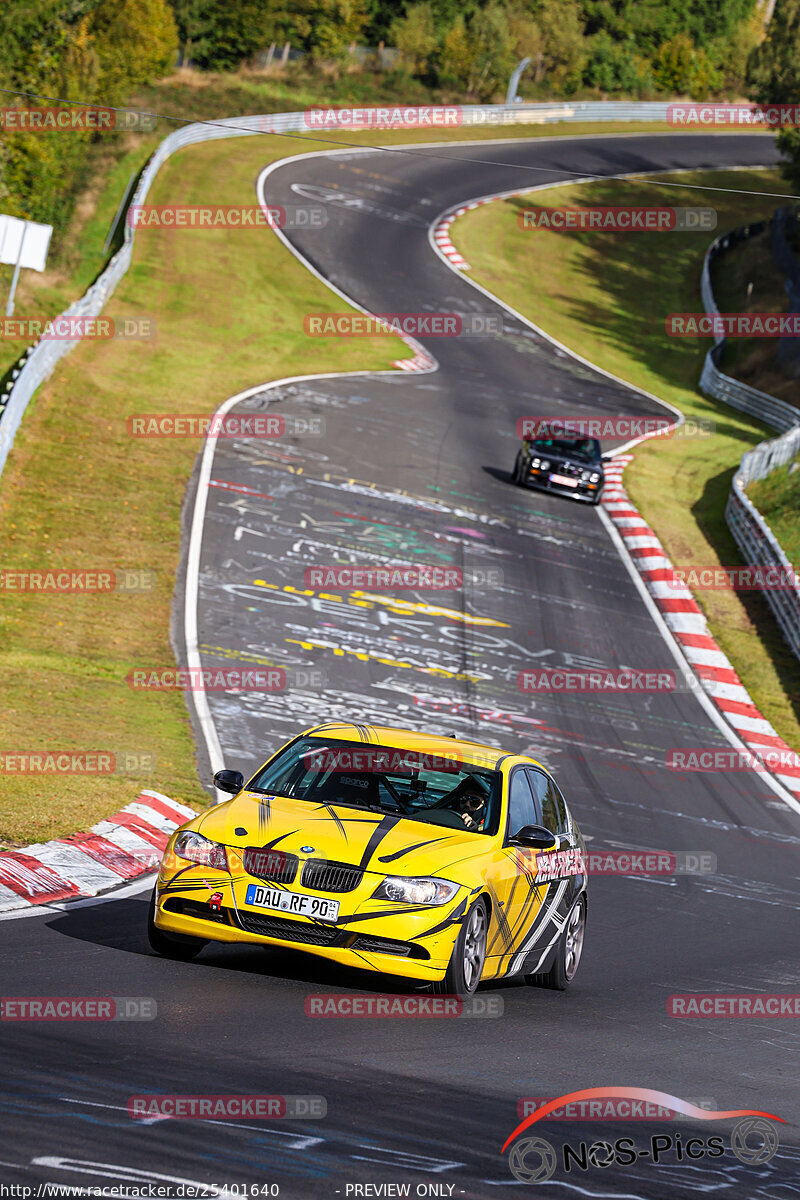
(586, 476)
(545, 464)
(200, 850)
(415, 891)
(535, 462)
(594, 477)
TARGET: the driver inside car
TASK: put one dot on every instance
(470, 804)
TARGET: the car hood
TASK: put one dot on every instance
(575, 464)
(385, 844)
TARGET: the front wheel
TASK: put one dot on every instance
(170, 945)
(469, 954)
(568, 954)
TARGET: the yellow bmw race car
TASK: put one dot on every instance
(440, 860)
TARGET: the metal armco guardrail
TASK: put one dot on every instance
(769, 409)
(751, 532)
(40, 360)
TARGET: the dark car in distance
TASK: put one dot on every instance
(571, 466)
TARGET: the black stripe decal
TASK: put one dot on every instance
(264, 812)
(374, 916)
(385, 826)
(417, 846)
(455, 918)
(334, 817)
(271, 845)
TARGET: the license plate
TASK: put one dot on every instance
(564, 481)
(292, 902)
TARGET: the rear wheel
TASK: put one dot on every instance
(568, 953)
(170, 945)
(469, 954)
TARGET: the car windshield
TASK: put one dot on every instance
(440, 789)
(586, 449)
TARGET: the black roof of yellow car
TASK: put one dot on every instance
(410, 739)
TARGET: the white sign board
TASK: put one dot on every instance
(33, 239)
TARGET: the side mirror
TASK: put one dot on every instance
(229, 781)
(536, 836)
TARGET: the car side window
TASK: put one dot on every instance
(521, 806)
(550, 801)
(561, 805)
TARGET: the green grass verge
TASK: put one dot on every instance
(607, 295)
(777, 498)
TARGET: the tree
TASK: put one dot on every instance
(680, 67)
(613, 66)
(191, 20)
(414, 35)
(732, 56)
(83, 50)
(218, 35)
(136, 41)
(650, 23)
(774, 68)
(80, 70)
(457, 55)
(492, 51)
(774, 78)
(674, 64)
(788, 143)
(328, 27)
(565, 53)
(527, 38)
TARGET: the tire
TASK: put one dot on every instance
(469, 955)
(516, 474)
(568, 953)
(170, 945)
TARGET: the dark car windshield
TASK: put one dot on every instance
(585, 449)
(435, 788)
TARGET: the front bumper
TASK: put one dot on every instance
(542, 484)
(384, 941)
